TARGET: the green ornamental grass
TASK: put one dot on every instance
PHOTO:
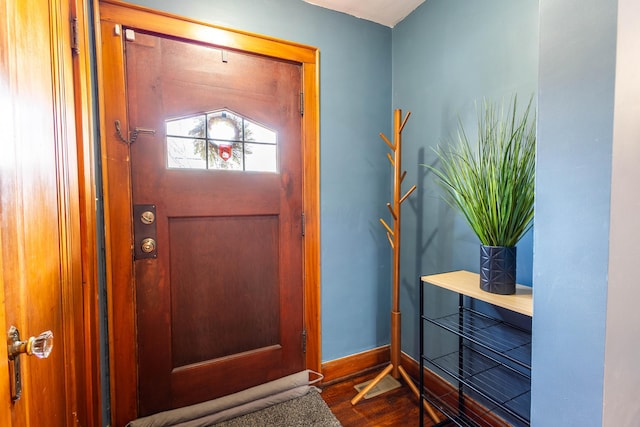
(493, 185)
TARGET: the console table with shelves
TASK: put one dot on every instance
(485, 361)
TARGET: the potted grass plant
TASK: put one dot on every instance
(492, 184)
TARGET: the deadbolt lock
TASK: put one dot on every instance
(148, 245)
(147, 217)
(145, 220)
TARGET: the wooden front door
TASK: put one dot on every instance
(222, 301)
(40, 258)
(219, 298)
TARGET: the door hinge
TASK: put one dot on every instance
(75, 49)
(304, 340)
(304, 224)
(302, 103)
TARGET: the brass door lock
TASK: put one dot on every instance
(148, 245)
(144, 231)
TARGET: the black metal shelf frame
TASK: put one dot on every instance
(492, 366)
(487, 378)
(461, 412)
(497, 336)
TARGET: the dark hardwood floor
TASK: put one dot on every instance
(398, 407)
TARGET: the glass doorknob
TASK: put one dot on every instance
(39, 346)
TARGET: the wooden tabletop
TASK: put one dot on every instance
(467, 283)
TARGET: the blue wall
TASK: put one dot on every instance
(446, 56)
(575, 132)
(355, 100)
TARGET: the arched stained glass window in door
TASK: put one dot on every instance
(220, 140)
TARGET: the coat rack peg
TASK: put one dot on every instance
(391, 160)
(386, 140)
(402, 176)
(389, 230)
(408, 193)
(404, 122)
(393, 213)
(390, 241)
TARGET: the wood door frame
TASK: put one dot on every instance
(114, 15)
(85, 102)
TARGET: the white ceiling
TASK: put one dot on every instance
(385, 12)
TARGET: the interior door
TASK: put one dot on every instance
(40, 268)
(216, 172)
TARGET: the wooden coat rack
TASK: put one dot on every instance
(393, 235)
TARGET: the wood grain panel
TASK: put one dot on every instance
(40, 267)
(85, 121)
(251, 285)
(311, 208)
(117, 203)
(467, 283)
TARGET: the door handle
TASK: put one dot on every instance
(39, 346)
